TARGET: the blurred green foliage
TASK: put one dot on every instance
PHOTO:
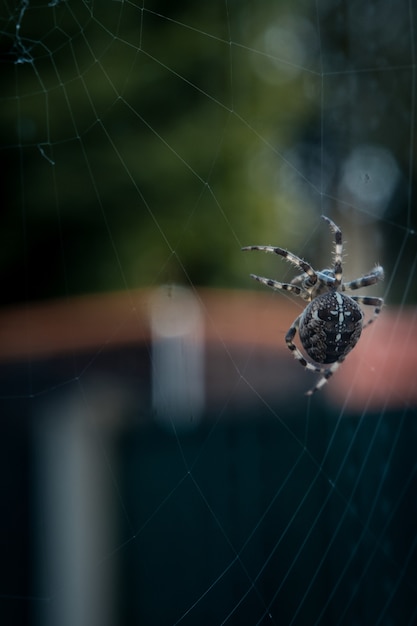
(145, 143)
(130, 133)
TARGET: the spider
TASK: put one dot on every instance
(332, 322)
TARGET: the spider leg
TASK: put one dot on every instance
(338, 250)
(296, 352)
(328, 372)
(292, 258)
(370, 301)
(298, 280)
(364, 281)
(277, 286)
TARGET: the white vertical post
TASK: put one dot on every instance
(74, 521)
(177, 357)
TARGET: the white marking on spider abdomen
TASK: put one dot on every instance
(340, 310)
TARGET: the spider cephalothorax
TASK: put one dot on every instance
(332, 322)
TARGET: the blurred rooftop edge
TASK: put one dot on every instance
(241, 339)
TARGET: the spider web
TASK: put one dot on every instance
(161, 463)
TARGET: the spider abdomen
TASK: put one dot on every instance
(330, 327)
